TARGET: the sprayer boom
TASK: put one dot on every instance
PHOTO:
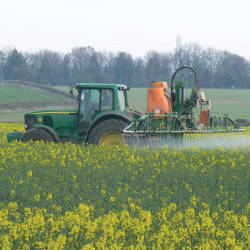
(171, 116)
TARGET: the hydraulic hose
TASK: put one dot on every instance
(178, 70)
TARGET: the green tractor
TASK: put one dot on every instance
(103, 116)
(102, 113)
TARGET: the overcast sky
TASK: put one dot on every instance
(134, 26)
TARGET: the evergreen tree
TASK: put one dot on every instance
(15, 66)
(2, 63)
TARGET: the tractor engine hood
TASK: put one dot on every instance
(51, 118)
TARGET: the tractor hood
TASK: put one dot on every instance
(54, 118)
(51, 111)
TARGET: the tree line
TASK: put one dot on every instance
(216, 69)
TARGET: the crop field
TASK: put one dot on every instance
(15, 100)
(70, 196)
(21, 94)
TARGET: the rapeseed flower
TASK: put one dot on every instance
(56, 196)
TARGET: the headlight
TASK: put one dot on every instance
(30, 121)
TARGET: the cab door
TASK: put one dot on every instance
(89, 107)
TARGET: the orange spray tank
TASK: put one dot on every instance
(159, 101)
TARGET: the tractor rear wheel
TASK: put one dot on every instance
(108, 133)
(36, 134)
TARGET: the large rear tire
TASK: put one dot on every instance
(36, 134)
(108, 132)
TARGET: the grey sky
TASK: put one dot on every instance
(134, 26)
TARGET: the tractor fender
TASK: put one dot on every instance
(50, 130)
(111, 115)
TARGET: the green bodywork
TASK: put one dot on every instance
(15, 135)
(75, 124)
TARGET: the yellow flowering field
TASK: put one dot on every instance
(56, 196)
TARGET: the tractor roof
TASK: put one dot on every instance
(100, 85)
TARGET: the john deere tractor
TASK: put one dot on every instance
(102, 113)
(103, 116)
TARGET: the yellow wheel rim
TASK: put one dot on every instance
(111, 138)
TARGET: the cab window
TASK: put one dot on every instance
(107, 99)
(90, 100)
(121, 98)
(89, 107)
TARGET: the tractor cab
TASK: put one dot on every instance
(97, 102)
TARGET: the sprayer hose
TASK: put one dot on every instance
(181, 68)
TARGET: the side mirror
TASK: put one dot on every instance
(71, 92)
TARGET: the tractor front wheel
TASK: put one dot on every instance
(108, 132)
(36, 134)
